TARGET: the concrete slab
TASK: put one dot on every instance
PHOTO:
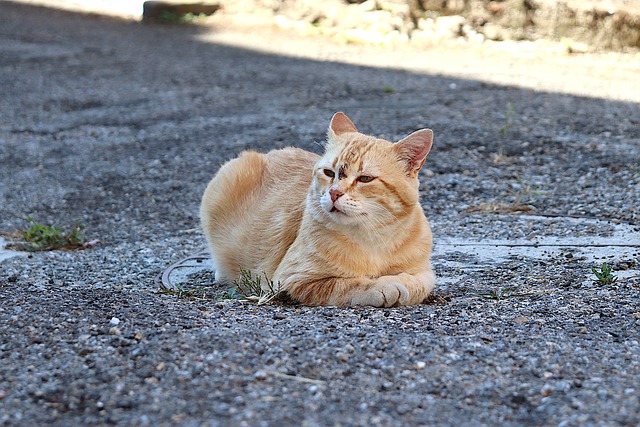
(8, 253)
(454, 255)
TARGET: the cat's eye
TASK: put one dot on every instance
(365, 178)
(329, 173)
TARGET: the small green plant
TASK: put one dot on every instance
(247, 288)
(604, 276)
(250, 287)
(40, 237)
(529, 189)
(509, 120)
(518, 205)
(388, 89)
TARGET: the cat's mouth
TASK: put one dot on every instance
(334, 209)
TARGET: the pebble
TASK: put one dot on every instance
(341, 356)
(521, 320)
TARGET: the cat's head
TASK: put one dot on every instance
(365, 180)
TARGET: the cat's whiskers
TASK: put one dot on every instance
(359, 216)
(373, 229)
(379, 213)
(380, 218)
(320, 144)
(376, 227)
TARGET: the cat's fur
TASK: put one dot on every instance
(327, 240)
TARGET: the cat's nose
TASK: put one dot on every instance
(335, 194)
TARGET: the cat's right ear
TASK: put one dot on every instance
(340, 124)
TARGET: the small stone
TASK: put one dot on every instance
(521, 320)
(115, 331)
(583, 330)
(420, 365)
(260, 375)
(343, 357)
(160, 366)
(518, 399)
(138, 336)
(114, 321)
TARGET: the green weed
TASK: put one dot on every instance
(250, 287)
(509, 120)
(604, 275)
(519, 205)
(247, 288)
(40, 237)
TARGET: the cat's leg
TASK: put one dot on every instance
(401, 289)
(225, 267)
(219, 275)
(385, 291)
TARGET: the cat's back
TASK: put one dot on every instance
(253, 175)
(251, 210)
(293, 161)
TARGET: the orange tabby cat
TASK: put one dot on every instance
(343, 229)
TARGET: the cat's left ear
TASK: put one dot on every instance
(414, 148)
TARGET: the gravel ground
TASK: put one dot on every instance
(120, 126)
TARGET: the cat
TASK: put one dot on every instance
(343, 229)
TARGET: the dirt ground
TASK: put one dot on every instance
(534, 179)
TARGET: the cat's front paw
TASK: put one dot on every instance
(383, 293)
